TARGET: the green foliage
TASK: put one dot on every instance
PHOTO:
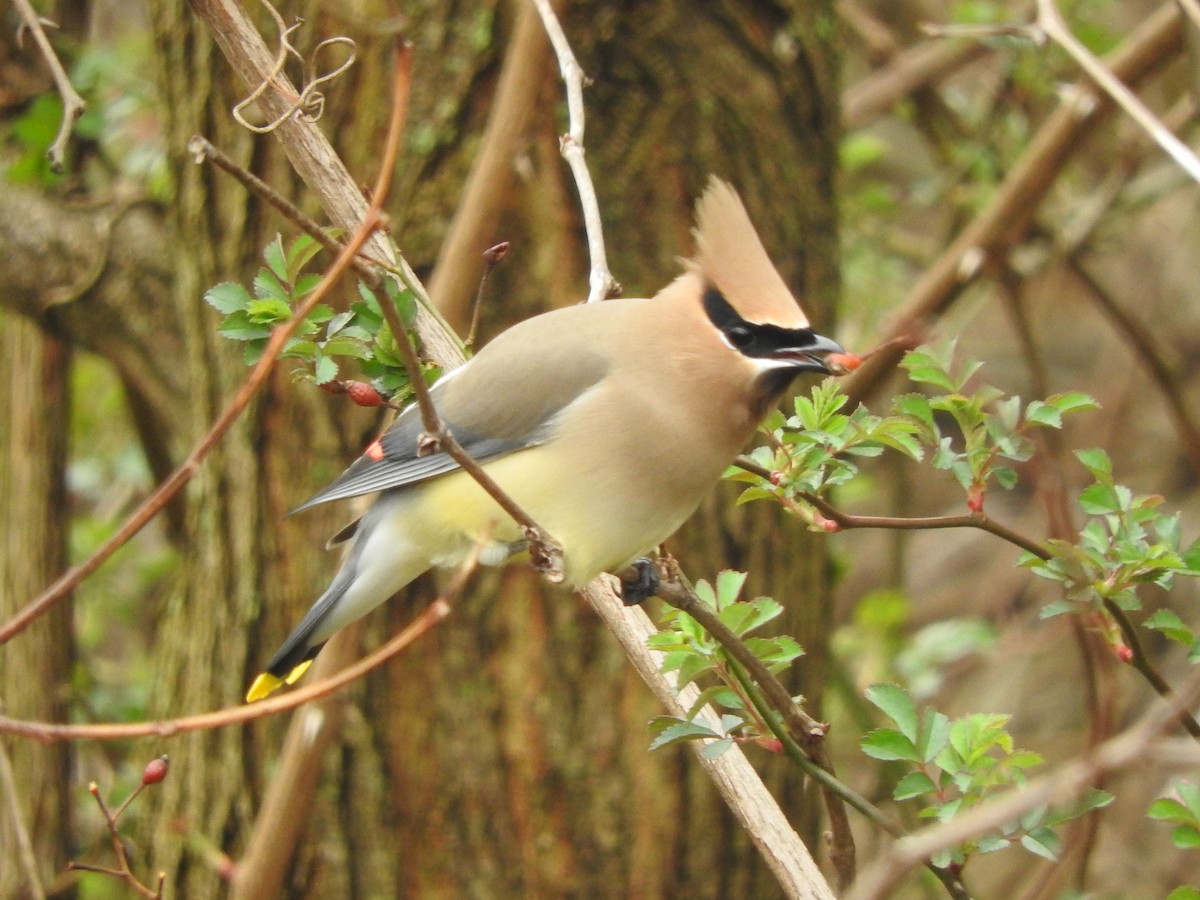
(1127, 542)
(814, 450)
(692, 653)
(991, 427)
(954, 765)
(1183, 811)
(325, 339)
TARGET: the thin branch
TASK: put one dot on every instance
(969, 520)
(1050, 21)
(153, 504)
(1140, 661)
(203, 149)
(601, 282)
(73, 105)
(236, 715)
(1070, 780)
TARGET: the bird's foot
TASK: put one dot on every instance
(644, 583)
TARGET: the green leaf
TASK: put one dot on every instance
(1039, 413)
(268, 286)
(1166, 621)
(300, 254)
(227, 297)
(729, 585)
(1168, 810)
(935, 734)
(1097, 462)
(274, 257)
(716, 748)
(1043, 842)
(897, 705)
(886, 744)
(681, 731)
(1185, 837)
(914, 784)
(1184, 893)
(1072, 401)
(238, 327)
(325, 370)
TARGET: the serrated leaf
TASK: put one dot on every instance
(268, 286)
(273, 256)
(1167, 810)
(681, 731)
(304, 285)
(729, 585)
(914, 784)
(1096, 461)
(338, 322)
(227, 297)
(887, 744)
(1166, 621)
(897, 705)
(325, 370)
(1072, 401)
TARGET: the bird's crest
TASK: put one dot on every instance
(730, 256)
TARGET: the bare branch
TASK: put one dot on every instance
(237, 715)
(602, 284)
(1051, 23)
(73, 104)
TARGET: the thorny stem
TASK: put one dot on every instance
(73, 105)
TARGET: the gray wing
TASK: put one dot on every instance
(492, 407)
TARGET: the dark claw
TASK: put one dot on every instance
(645, 585)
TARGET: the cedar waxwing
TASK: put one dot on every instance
(607, 422)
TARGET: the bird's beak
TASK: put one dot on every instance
(810, 357)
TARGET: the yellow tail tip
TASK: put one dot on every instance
(266, 683)
(263, 685)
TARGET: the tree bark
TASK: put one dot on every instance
(34, 672)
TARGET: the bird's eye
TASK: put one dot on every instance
(740, 336)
